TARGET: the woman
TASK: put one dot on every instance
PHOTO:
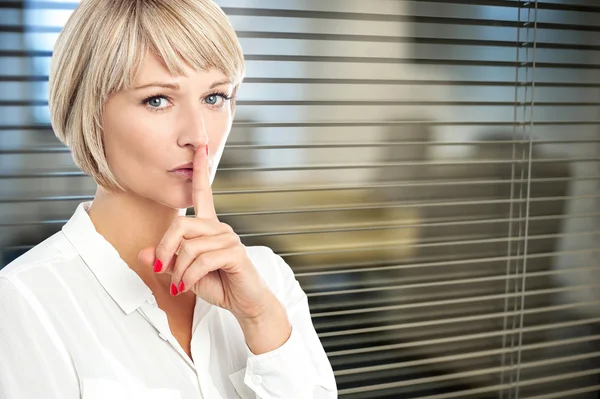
(132, 299)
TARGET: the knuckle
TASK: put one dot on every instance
(161, 248)
(233, 239)
(185, 248)
(180, 223)
(202, 260)
(226, 227)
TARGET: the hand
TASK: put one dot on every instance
(205, 256)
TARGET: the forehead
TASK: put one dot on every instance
(152, 69)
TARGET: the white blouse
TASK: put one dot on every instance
(77, 322)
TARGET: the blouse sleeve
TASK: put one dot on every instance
(33, 360)
(300, 367)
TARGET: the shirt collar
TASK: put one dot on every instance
(126, 288)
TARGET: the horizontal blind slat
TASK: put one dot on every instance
(469, 355)
(344, 269)
(472, 391)
(491, 370)
(458, 300)
(439, 322)
(465, 337)
(564, 394)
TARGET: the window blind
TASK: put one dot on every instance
(429, 169)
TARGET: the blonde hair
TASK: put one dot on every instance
(100, 51)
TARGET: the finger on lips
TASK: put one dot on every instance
(204, 206)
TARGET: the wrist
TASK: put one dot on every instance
(268, 330)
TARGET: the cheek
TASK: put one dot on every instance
(219, 129)
(131, 139)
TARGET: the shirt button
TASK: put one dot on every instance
(257, 379)
(151, 300)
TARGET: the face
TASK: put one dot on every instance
(152, 131)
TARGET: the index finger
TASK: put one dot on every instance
(202, 195)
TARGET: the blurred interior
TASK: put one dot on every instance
(429, 169)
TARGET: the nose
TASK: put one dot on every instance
(192, 131)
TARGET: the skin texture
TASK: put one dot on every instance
(162, 123)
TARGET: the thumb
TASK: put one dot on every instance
(147, 256)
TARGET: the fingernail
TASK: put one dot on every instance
(181, 286)
(173, 289)
(207, 150)
(157, 266)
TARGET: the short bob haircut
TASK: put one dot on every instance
(100, 51)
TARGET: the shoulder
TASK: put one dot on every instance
(50, 253)
(278, 275)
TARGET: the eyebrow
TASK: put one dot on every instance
(220, 83)
(176, 86)
(173, 86)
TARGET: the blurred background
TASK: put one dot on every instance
(430, 170)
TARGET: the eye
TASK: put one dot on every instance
(213, 99)
(157, 102)
(216, 100)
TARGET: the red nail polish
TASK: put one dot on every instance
(181, 286)
(206, 150)
(173, 289)
(157, 266)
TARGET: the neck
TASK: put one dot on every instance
(131, 223)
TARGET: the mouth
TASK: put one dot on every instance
(185, 170)
(188, 173)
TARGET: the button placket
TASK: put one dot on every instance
(158, 319)
(201, 352)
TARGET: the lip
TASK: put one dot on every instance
(188, 165)
(185, 170)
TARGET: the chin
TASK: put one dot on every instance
(181, 201)
(177, 199)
